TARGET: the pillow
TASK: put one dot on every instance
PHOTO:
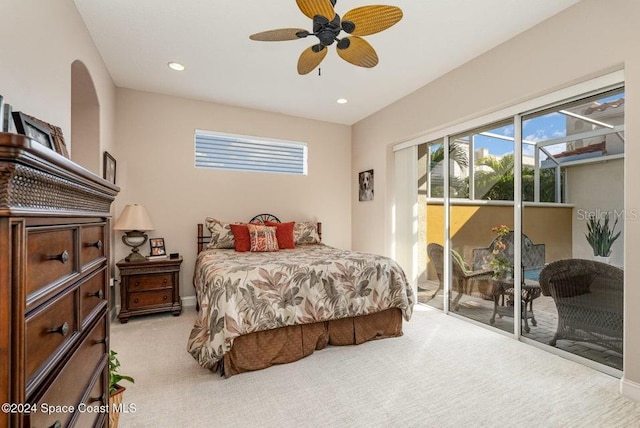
(284, 234)
(263, 238)
(221, 236)
(306, 233)
(241, 237)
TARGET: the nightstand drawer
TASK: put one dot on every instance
(150, 298)
(91, 244)
(51, 257)
(50, 329)
(150, 282)
(93, 293)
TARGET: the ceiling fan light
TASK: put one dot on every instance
(344, 43)
(348, 26)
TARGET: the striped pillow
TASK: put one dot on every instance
(263, 238)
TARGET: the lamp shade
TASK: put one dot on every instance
(134, 217)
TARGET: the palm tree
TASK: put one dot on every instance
(459, 154)
(497, 183)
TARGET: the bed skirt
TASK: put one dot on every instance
(263, 349)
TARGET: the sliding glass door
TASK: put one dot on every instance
(522, 226)
(573, 219)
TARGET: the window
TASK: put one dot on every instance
(244, 153)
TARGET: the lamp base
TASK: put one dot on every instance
(134, 239)
(135, 257)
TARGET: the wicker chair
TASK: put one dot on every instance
(462, 276)
(589, 299)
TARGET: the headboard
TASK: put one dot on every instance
(203, 239)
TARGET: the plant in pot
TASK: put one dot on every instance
(115, 390)
(601, 237)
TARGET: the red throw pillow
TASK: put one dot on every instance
(241, 237)
(284, 234)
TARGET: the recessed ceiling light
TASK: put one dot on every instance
(176, 66)
(342, 101)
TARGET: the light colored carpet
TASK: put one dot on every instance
(443, 372)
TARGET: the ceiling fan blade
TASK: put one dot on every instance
(358, 52)
(372, 19)
(312, 8)
(280, 34)
(310, 59)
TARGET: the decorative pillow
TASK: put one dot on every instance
(241, 237)
(306, 233)
(263, 238)
(284, 234)
(221, 236)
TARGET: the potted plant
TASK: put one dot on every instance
(601, 237)
(115, 390)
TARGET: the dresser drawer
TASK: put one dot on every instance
(50, 329)
(91, 244)
(150, 298)
(93, 293)
(96, 404)
(51, 256)
(74, 378)
(150, 282)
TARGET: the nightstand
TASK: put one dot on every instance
(149, 287)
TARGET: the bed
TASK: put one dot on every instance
(257, 309)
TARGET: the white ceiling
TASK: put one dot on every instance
(137, 39)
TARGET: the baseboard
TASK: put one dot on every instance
(630, 389)
(114, 312)
(188, 301)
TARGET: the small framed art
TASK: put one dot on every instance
(157, 247)
(109, 168)
(27, 126)
(365, 185)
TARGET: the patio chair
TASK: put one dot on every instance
(461, 275)
(589, 299)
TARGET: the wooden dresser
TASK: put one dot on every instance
(54, 279)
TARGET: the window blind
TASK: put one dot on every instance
(244, 153)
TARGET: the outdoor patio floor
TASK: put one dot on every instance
(545, 313)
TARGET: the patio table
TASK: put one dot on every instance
(505, 287)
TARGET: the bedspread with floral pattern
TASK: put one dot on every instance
(241, 293)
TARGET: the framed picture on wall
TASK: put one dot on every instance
(109, 168)
(365, 185)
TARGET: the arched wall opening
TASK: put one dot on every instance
(85, 119)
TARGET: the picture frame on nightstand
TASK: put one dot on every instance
(157, 247)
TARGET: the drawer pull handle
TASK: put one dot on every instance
(62, 257)
(165, 297)
(63, 329)
(57, 424)
(101, 341)
(101, 399)
(135, 300)
(98, 244)
(135, 284)
(164, 280)
(99, 294)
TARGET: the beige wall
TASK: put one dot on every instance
(39, 40)
(587, 40)
(155, 167)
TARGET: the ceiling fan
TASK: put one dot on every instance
(327, 26)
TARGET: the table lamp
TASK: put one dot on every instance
(134, 221)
